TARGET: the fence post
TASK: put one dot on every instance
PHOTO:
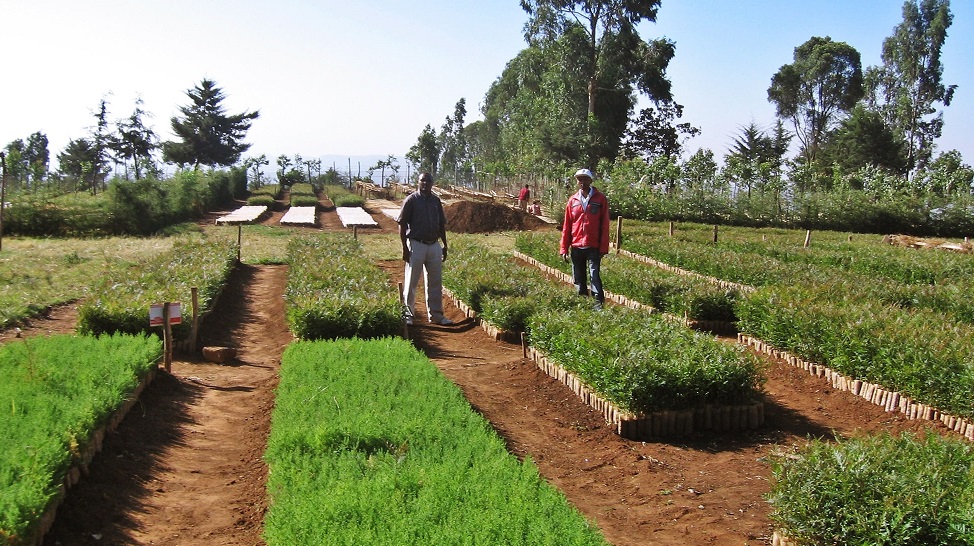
(618, 234)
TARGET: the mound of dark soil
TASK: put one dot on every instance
(480, 217)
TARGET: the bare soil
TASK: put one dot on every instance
(185, 466)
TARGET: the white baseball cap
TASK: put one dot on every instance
(583, 172)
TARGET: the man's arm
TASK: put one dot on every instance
(443, 230)
(566, 231)
(402, 238)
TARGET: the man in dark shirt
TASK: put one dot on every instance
(422, 223)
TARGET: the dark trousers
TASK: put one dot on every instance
(587, 262)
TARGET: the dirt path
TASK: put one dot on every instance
(185, 466)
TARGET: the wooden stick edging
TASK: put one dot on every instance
(86, 454)
(891, 401)
(779, 539)
(660, 424)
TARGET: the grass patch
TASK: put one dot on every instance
(334, 291)
(54, 392)
(370, 444)
(38, 273)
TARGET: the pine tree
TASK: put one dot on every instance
(209, 136)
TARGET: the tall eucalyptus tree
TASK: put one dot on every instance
(907, 88)
(595, 61)
(816, 90)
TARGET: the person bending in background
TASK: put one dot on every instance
(585, 235)
(422, 223)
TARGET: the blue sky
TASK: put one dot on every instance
(363, 78)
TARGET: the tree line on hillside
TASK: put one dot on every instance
(207, 136)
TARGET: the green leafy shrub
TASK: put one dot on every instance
(909, 352)
(643, 362)
(348, 200)
(55, 391)
(260, 201)
(878, 490)
(303, 195)
(341, 197)
(889, 315)
(270, 190)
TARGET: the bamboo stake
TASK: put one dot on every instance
(618, 234)
(166, 337)
(194, 332)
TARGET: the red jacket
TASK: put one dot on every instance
(588, 228)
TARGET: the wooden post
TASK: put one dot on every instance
(166, 338)
(239, 239)
(355, 232)
(524, 344)
(196, 320)
(715, 233)
(671, 229)
(618, 234)
(808, 238)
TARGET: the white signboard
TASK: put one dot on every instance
(155, 314)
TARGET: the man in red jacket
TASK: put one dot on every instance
(585, 235)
